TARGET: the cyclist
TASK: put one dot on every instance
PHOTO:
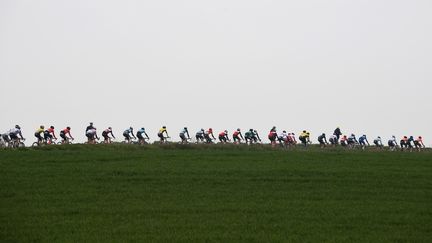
(38, 133)
(272, 136)
(207, 135)
(418, 143)
(161, 136)
(333, 140)
(352, 140)
(362, 142)
(141, 139)
(63, 134)
(337, 132)
(127, 134)
(237, 136)
(392, 143)
(183, 134)
(106, 133)
(344, 141)
(291, 139)
(249, 136)
(283, 138)
(255, 136)
(200, 135)
(14, 132)
(223, 136)
(92, 136)
(49, 134)
(404, 142)
(304, 137)
(322, 140)
(377, 141)
(89, 127)
(410, 142)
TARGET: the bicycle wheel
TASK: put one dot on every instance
(35, 144)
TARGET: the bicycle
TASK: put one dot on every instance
(66, 141)
(142, 141)
(130, 141)
(39, 143)
(17, 143)
(165, 140)
(91, 141)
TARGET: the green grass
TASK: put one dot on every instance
(177, 193)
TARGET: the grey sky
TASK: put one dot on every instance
(362, 65)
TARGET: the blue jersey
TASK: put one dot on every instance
(141, 131)
(362, 138)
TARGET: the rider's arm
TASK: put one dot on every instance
(112, 134)
(146, 135)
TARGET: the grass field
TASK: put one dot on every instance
(120, 193)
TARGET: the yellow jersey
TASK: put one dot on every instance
(40, 130)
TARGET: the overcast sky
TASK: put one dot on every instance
(365, 66)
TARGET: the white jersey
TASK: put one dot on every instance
(283, 135)
(15, 131)
(91, 131)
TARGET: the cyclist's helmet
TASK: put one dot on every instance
(238, 129)
(210, 129)
(42, 126)
(164, 127)
(68, 128)
(226, 131)
(109, 128)
(17, 127)
(420, 137)
(364, 135)
(91, 123)
(52, 127)
(131, 128)
(379, 137)
(255, 130)
(283, 131)
(323, 134)
(202, 129)
(142, 128)
(185, 128)
(304, 131)
(251, 130)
